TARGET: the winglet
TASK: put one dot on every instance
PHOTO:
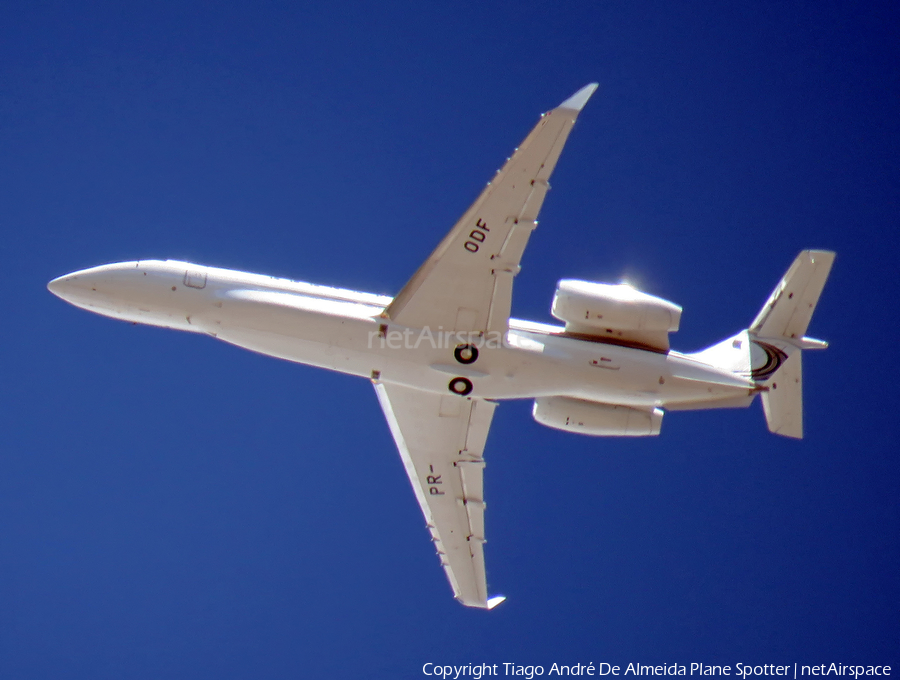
(577, 101)
(494, 601)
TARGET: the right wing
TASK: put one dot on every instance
(466, 283)
(441, 441)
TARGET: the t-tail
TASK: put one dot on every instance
(770, 351)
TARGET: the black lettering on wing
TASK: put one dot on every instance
(476, 236)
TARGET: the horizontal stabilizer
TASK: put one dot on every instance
(788, 310)
(783, 402)
(779, 330)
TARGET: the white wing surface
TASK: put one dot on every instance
(466, 283)
(441, 441)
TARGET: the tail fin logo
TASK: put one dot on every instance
(775, 357)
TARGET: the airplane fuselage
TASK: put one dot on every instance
(345, 331)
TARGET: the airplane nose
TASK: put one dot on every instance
(140, 292)
(84, 287)
(62, 286)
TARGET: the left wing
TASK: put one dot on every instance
(466, 283)
(441, 442)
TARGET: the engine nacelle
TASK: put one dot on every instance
(616, 312)
(597, 420)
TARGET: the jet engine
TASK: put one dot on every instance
(595, 419)
(616, 313)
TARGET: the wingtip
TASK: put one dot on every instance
(577, 101)
(817, 255)
(494, 601)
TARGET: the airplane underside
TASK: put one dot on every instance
(444, 351)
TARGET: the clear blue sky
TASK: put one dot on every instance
(172, 507)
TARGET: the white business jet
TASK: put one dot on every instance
(444, 351)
